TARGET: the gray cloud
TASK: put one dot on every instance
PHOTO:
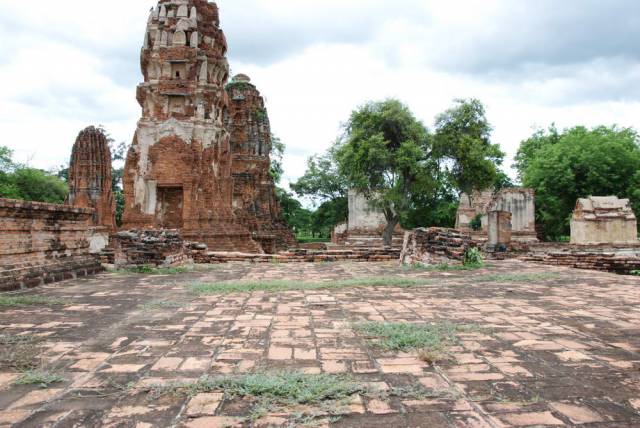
(259, 34)
(546, 32)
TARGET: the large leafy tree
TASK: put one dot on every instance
(463, 139)
(576, 163)
(386, 154)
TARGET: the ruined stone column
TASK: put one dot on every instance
(254, 191)
(178, 170)
(90, 183)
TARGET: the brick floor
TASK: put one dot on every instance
(561, 350)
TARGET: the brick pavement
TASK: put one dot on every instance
(559, 350)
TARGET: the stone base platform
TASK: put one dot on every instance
(299, 256)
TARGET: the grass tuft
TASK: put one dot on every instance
(283, 387)
(151, 270)
(525, 277)
(20, 352)
(42, 378)
(161, 304)
(442, 267)
(275, 286)
(431, 341)
(304, 397)
(16, 301)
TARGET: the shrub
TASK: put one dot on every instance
(473, 258)
(476, 223)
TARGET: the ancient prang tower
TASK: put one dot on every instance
(254, 193)
(90, 177)
(178, 172)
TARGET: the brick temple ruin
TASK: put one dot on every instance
(603, 220)
(180, 172)
(255, 203)
(90, 184)
(517, 201)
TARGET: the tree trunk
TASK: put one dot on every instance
(387, 235)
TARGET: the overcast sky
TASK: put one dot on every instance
(73, 63)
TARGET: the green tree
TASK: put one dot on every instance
(30, 184)
(7, 187)
(34, 184)
(463, 139)
(327, 215)
(277, 154)
(322, 181)
(386, 154)
(578, 163)
(297, 217)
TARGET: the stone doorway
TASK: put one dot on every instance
(169, 207)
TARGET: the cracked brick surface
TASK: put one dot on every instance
(556, 350)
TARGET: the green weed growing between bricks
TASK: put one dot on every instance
(525, 277)
(430, 341)
(289, 285)
(13, 301)
(42, 378)
(22, 353)
(305, 397)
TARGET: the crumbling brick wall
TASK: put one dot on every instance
(434, 245)
(611, 261)
(158, 248)
(42, 243)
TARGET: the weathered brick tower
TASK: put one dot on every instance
(90, 177)
(178, 170)
(254, 192)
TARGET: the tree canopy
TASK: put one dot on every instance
(463, 137)
(31, 184)
(577, 163)
(386, 154)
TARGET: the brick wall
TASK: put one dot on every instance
(159, 248)
(42, 243)
(622, 263)
(434, 245)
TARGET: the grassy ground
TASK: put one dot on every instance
(17, 300)
(20, 352)
(289, 285)
(443, 267)
(162, 304)
(529, 277)
(150, 270)
(43, 378)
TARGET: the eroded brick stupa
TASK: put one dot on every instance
(90, 183)
(254, 193)
(178, 172)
